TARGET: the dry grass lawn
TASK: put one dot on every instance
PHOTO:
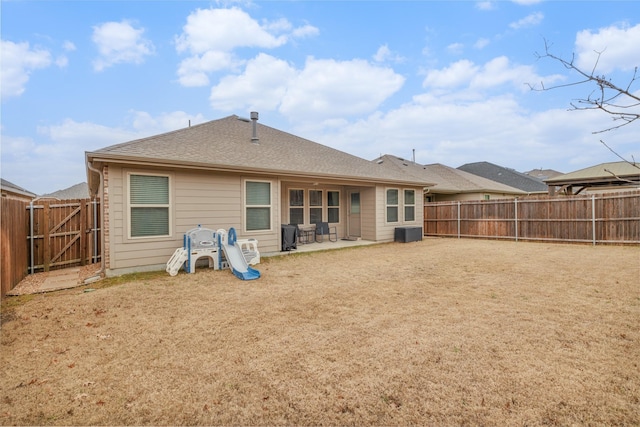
(438, 332)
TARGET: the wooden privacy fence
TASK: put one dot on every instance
(603, 218)
(63, 234)
(14, 231)
(46, 235)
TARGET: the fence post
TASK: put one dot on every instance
(593, 218)
(31, 238)
(95, 232)
(458, 220)
(516, 216)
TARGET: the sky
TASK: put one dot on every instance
(445, 82)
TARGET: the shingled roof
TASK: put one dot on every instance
(447, 179)
(78, 191)
(604, 174)
(10, 187)
(505, 176)
(227, 144)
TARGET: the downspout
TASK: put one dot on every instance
(102, 245)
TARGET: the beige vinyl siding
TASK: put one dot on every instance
(386, 231)
(212, 200)
(368, 226)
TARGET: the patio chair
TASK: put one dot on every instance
(323, 229)
(305, 235)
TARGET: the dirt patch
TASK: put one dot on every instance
(32, 283)
(438, 332)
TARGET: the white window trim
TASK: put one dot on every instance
(127, 203)
(405, 205)
(321, 206)
(387, 206)
(245, 206)
(303, 207)
(339, 207)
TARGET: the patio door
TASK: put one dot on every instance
(353, 220)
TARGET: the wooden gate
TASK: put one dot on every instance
(62, 234)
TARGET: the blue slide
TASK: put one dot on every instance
(236, 260)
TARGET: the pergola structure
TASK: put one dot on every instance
(614, 175)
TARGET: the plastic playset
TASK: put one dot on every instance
(222, 249)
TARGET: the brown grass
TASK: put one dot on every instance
(438, 332)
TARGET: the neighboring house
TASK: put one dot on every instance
(235, 172)
(506, 176)
(605, 177)
(450, 183)
(78, 191)
(12, 191)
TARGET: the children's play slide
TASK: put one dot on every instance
(235, 258)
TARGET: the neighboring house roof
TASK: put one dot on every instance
(10, 187)
(227, 144)
(505, 176)
(543, 174)
(447, 179)
(78, 191)
(604, 174)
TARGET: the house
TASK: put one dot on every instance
(78, 191)
(450, 183)
(236, 172)
(605, 177)
(11, 191)
(510, 177)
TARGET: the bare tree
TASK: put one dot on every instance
(618, 101)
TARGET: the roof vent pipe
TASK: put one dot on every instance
(254, 119)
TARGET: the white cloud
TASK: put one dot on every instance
(529, 21)
(68, 46)
(384, 54)
(62, 61)
(305, 31)
(457, 74)
(211, 35)
(329, 89)
(225, 30)
(262, 86)
(494, 129)
(485, 5)
(481, 43)
(18, 62)
(620, 47)
(58, 154)
(322, 90)
(496, 72)
(194, 70)
(455, 48)
(120, 42)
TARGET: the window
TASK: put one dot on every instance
(149, 205)
(296, 206)
(258, 205)
(409, 205)
(333, 206)
(392, 205)
(315, 206)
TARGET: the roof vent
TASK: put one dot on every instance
(254, 119)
